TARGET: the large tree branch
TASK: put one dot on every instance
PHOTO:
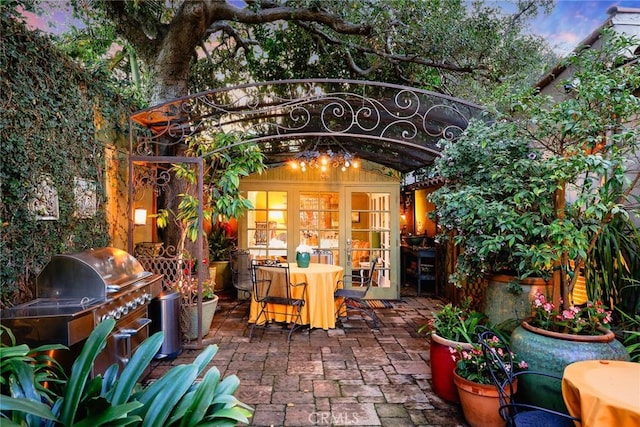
(272, 12)
(415, 59)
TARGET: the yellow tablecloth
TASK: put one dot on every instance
(319, 310)
(603, 392)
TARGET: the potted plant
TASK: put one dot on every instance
(554, 337)
(451, 327)
(220, 247)
(479, 397)
(225, 159)
(528, 194)
(188, 289)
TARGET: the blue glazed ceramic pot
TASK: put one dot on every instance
(551, 352)
(303, 259)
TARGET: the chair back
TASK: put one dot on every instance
(240, 270)
(278, 275)
(261, 286)
(322, 256)
(501, 368)
(369, 279)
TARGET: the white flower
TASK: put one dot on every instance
(302, 248)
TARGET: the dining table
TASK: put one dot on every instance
(603, 392)
(319, 310)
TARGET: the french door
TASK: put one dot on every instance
(352, 223)
(370, 233)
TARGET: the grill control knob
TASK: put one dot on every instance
(140, 300)
(147, 296)
(117, 313)
(131, 305)
(124, 309)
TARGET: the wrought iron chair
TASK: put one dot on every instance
(354, 298)
(322, 256)
(273, 291)
(517, 414)
(241, 275)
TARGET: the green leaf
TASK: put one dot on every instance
(177, 382)
(111, 415)
(8, 403)
(201, 399)
(81, 370)
(136, 367)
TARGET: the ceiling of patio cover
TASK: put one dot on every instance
(395, 126)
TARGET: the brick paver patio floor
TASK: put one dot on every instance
(347, 376)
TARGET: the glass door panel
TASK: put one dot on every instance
(267, 225)
(369, 231)
(319, 221)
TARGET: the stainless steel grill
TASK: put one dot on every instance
(75, 292)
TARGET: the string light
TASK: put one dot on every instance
(324, 159)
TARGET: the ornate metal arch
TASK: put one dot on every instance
(395, 126)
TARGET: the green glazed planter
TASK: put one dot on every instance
(499, 304)
(551, 352)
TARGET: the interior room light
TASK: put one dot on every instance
(140, 216)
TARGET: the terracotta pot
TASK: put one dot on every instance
(551, 352)
(500, 304)
(480, 403)
(442, 367)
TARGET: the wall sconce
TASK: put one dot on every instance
(140, 216)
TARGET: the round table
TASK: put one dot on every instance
(603, 392)
(319, 309)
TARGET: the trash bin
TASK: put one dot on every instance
(164, 312)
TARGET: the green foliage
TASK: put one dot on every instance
(175, 399)
(455, 322)
(226, 161)
(631, 326)
(220, 246)
(540, 185)
(55, 123)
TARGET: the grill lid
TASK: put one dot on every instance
(92, 274)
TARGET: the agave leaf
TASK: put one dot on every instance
(161, 407)
(110, 415)
(229, 385)
(181, 408)
(135, 368)
(201, 399)
(237, 413)
(205, 357)
(8, 403)
(81, 370)
(25, 379)
(110, 378)
(16, 351)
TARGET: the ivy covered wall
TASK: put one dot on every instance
(56, 124)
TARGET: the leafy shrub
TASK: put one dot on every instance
(177, 398)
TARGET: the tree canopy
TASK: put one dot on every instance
(460, 48)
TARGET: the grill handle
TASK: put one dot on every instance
(125, 335)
